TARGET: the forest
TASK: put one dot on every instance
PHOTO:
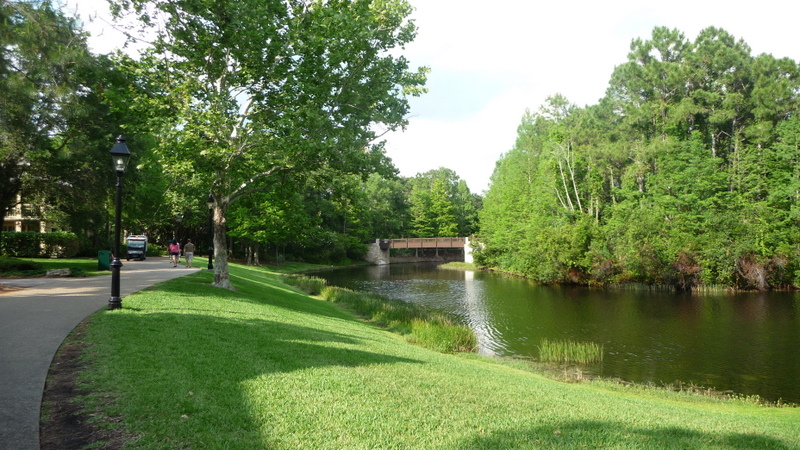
(684, 175)
(278, 121)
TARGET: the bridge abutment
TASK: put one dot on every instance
(378, 252)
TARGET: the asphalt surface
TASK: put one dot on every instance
(36, 319)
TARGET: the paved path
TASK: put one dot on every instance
(35, 320)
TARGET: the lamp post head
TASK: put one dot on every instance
(120, 155)
(210, 201)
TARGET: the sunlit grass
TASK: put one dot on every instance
(184, 365)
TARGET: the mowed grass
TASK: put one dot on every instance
(78, 267)
(185, 365)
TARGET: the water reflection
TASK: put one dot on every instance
(745, 342)
(478, 316)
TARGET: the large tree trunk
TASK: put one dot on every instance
(254, 248)
(222, 277)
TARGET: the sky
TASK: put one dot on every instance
(492, 60)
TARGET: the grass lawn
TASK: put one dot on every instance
(184, 365)
(78, 266)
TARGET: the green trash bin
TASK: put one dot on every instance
(104, 260)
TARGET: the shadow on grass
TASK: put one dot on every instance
(595, 434)
(166, 366)
(253, 346)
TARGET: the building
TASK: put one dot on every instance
(22, 217)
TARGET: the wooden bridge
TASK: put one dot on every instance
(379, 251)
(440, 242)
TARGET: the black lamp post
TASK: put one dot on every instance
(210, 203)
(119, 157)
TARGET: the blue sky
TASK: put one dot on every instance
(490, 60)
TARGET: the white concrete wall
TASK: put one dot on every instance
(377, 256)
(468, 252)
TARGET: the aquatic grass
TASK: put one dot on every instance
(311, 285)
(456, 265)
(430, 329)
(443, 336)
(569, 351)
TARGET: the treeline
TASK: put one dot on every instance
(331, 219)
(685, 174)
(299, 173)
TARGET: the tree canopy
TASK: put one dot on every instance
(684, 174)
(243, 94)
(55, 131)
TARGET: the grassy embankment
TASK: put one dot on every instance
(183, 365)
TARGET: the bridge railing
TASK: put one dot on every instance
(441, 242)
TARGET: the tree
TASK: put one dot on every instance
(387, 210)
(684, 173)
(54, 129)
(432, 211)
(243, 92)
(463, 205)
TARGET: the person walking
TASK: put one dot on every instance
(174, 253)
(188, 252)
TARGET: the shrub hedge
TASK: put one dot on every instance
(28, 244)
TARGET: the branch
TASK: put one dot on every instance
(247, 187)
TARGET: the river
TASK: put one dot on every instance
(748, 343)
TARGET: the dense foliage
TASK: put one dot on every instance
(328, 219)
(55, 131)
(55, 152)
(685, 174)
(32, 245)
(243, 95)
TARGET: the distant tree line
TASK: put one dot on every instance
(332, 219)
(685, 174)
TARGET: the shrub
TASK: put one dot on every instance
(18, 266)
(29, 244)
(60, 244)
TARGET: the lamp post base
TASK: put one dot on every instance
(115, 301)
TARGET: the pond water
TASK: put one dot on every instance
(748, 343)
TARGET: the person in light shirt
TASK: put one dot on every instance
(188, 252)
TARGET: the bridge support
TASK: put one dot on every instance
(378, 252)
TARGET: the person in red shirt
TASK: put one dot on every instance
(174, 253)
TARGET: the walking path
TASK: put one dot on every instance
(36, 319)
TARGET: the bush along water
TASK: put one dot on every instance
(430, 329)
